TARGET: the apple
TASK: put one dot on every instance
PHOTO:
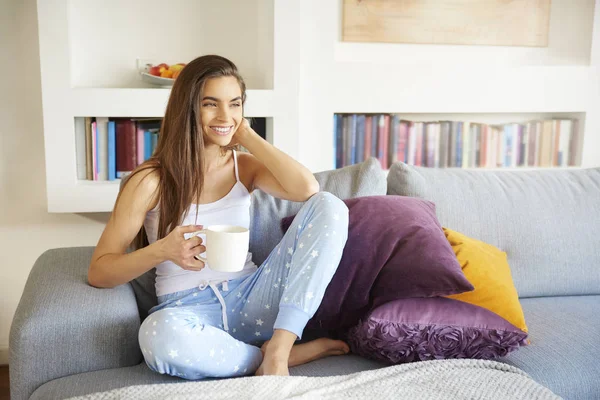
(176, 74)
(166, 73)
(176, 67)
(154, 71)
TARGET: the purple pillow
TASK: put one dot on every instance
(396, 249)
(434, 328)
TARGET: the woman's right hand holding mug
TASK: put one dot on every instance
(182, 251)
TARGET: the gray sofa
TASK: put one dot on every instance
(69, 339)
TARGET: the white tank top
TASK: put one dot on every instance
(232, 209)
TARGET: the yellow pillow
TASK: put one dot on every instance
(486, 267)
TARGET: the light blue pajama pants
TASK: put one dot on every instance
(213, 330)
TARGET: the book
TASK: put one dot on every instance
(80, 147)
(374, 135)
(386, 140)
(394, 141)
(89, 168)
(94, 152)
(360, 138)
(403, 132)
(368, 136)
(126, 152)
(102, 142)
(339, 139)
(112, 151)
(445, 128)
(466, 144)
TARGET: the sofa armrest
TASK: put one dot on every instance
(64, 326)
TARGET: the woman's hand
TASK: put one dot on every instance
(242, 133)
(180, 251)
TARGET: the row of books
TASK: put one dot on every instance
(110, 148)
(463, 144)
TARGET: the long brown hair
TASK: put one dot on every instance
(179, 155)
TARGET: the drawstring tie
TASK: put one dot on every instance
(213, 285)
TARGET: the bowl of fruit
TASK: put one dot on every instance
(161, 74)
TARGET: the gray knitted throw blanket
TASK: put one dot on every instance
(439, 379)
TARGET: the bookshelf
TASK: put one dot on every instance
(89, 55)
(435, 80)
(299, 73)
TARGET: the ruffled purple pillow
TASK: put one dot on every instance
(421, 329)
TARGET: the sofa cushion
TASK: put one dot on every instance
(546, 221)
(396, 249)
(266, 212)
(564, 350)
(486, 267)
(435, 328)
(364, 179)
(115, 378)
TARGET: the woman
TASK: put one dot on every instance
(196, 177)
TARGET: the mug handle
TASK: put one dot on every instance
(198, 256)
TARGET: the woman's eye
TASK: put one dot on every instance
(210, 105)
(236, 105)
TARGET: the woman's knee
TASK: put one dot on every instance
(331, 205)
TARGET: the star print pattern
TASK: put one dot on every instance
(309, 252)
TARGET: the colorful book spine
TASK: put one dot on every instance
(403, 140)
(148, 145)
(368, 136)
(336, 148)
(126, 147)
(386, 141)
(112, 151)
(374, 135)
(154, 141)
(459, 144)
(139, 144)
(94, 152)
(394, 139)
(353, 137)
(102, 142)
(360, 138)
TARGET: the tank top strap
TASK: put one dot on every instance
(235, 166)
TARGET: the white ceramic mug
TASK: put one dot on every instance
(226, 247)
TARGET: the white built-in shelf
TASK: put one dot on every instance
(149, 102)
(416, 89)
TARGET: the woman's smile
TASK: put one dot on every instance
(222, 130)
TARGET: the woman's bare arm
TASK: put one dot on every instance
(110, 266)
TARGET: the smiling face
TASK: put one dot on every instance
(221, 109)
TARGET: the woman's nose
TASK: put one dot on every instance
(223, 113)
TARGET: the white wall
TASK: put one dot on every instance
(26, 228)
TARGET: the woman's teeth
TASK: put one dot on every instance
(220, 130)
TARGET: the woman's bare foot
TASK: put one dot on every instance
(272, 366)
(313, 350)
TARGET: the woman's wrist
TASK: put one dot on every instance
(157, 251)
